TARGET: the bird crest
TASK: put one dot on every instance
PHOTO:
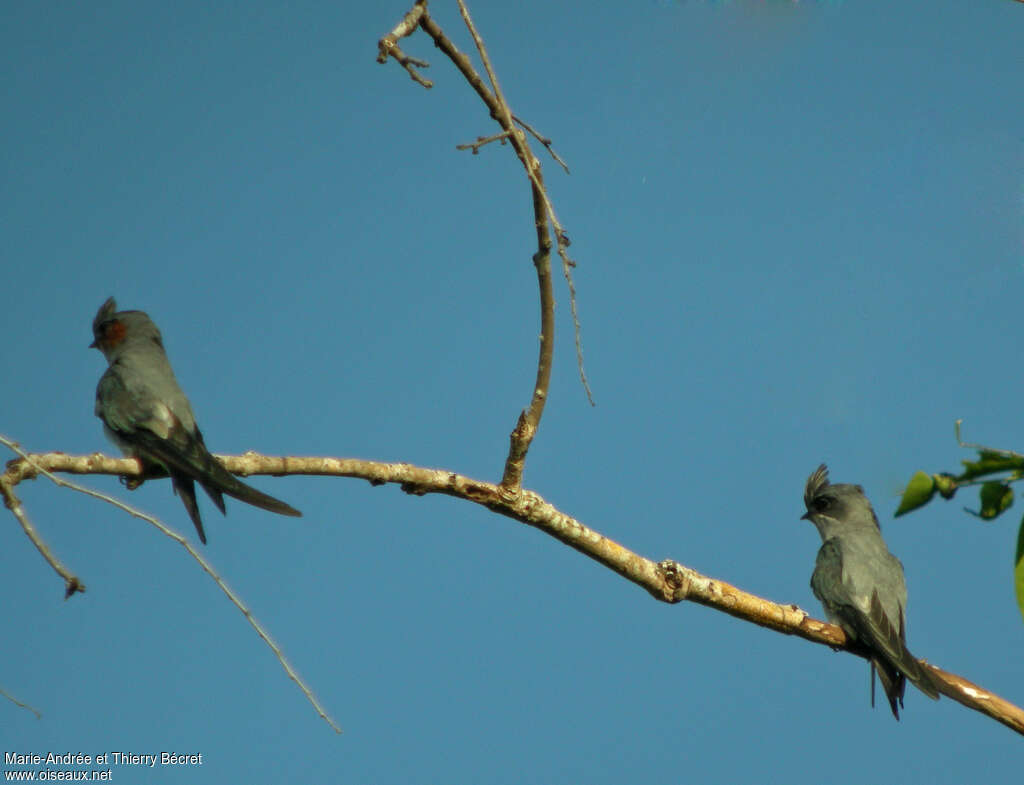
(816, 483)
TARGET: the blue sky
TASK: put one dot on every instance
(800, 237)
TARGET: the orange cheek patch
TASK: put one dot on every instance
(114, 332)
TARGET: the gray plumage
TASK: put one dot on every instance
(861, 585)
(146, 414)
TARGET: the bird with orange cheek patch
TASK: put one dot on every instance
(146, 414)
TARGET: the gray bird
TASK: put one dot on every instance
(147, 415)
(861, 586)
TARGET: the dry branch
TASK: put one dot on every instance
(30, 468)
(668, 580)
(544, 214)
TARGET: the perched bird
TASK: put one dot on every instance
(861, 586)
(147, 415)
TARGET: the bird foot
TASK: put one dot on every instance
(131, 483)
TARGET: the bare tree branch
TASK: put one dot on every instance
(526, 427)
(970, 445)
(388, 45)
(481, 141)
(543, 140)
(72, 584)
(29, 467)
(544, 213)
(668, 580)
(19, 704)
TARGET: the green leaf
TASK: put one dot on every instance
(1018, 569)
(995, 498)
(990, 462)
(1010, 460)
(919, 492)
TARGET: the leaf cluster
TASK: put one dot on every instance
(993, 472)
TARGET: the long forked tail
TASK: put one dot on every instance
(218, 480)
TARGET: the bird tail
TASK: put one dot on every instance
(894, 681)
(894, 684)
(896, 665)
(232, 486)
(216, 481)
(186, 459)
(185, 488)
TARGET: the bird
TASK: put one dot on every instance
(147, 415)
(861, 586)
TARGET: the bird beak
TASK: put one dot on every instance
(93, 345)
(806, 516)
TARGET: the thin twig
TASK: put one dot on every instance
(968, 445)
(543, 140)
(529, 420)
(481, 141)
(970, 483)
(522, 436)
(409, 64)
(506, 113)
(388, 45)
(544, 212)
(72, 583)
(567, 264)
(18, 703)
(31, 466)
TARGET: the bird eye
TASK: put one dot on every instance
(821, 503)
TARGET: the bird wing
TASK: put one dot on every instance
(888, 639)
(864, 618)
(147, 424)
(156, 432)
(124, 412)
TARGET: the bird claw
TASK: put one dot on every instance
(131, 483)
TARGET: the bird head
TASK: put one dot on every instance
(834, 508)
(111, 328)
